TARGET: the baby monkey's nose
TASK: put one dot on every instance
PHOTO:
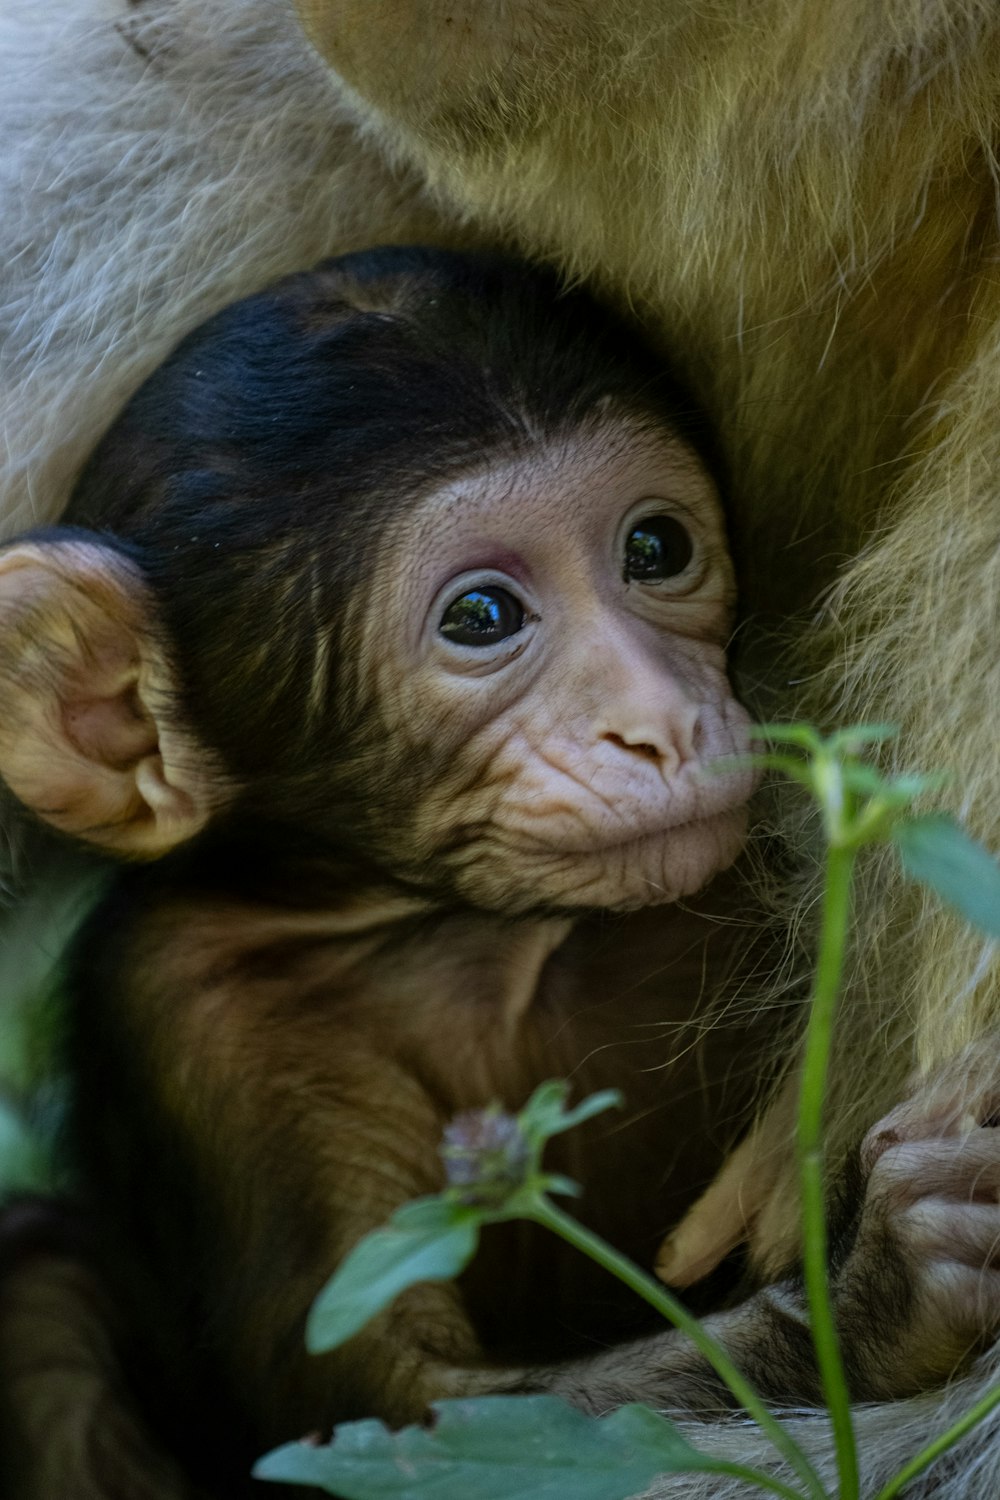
(644, 748)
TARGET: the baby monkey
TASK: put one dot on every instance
(387, 630)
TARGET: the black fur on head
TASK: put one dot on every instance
(254, 475)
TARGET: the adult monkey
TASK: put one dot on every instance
(803, 200)
(408, 579)
(807, 205)
(463, 533)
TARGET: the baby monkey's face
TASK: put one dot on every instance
(549, 642)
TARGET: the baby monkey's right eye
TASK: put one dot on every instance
(658, 547)
(482, 617)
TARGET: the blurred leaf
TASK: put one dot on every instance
(856, 736)
(14, 1070)
(429, 1240)
(936, 851)
(25, 1165)
(546, 1115)
(493, 1448)
(803, 735)
(895, 791)
(914, 785)
(764, 760)
(556, 1183)
(867, 781)
(33, 940)
(541, 1115)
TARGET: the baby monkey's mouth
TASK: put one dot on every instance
(703, 821)
(681, 817)
(645, 868)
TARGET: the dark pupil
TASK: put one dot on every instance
(659, 547)
(481, 618)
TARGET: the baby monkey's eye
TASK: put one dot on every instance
(482, 617)
(658, 547)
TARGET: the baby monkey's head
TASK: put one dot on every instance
(415, 562)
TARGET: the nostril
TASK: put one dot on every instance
(641, 747)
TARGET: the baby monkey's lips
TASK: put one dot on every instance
(665, 833)
(717, 802)
(649, 869)
(632, 868)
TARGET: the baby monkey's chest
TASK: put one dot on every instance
(638, 1167)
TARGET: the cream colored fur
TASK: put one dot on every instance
(803, 199)
(800, 198)
(888, 1437)
(160, 158)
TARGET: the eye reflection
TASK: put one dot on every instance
(482, 617)
(658, 547)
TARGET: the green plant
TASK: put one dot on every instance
(31, 1007)
(511, 1448)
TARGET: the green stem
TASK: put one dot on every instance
(545, 1212)
(819, 1033)
(941, 1444)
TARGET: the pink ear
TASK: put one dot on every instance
(91, 738)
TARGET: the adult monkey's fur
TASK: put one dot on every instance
(801, 199)
(804, 200)
(161, 158)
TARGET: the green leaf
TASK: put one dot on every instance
(546, 1115)
(763, 760)
(866, 780)
(547, 1106)
(493, 1448)
(895, 791)
(31, 977)
(595, 1104)
(803, 735)
(935, 850)
(554, 1182)
(914, 785)
(429, 1240)
(25, 1165)
(855, 736)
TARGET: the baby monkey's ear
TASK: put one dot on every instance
(92, 737)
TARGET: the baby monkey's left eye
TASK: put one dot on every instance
(482, 617)
(658, 547)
